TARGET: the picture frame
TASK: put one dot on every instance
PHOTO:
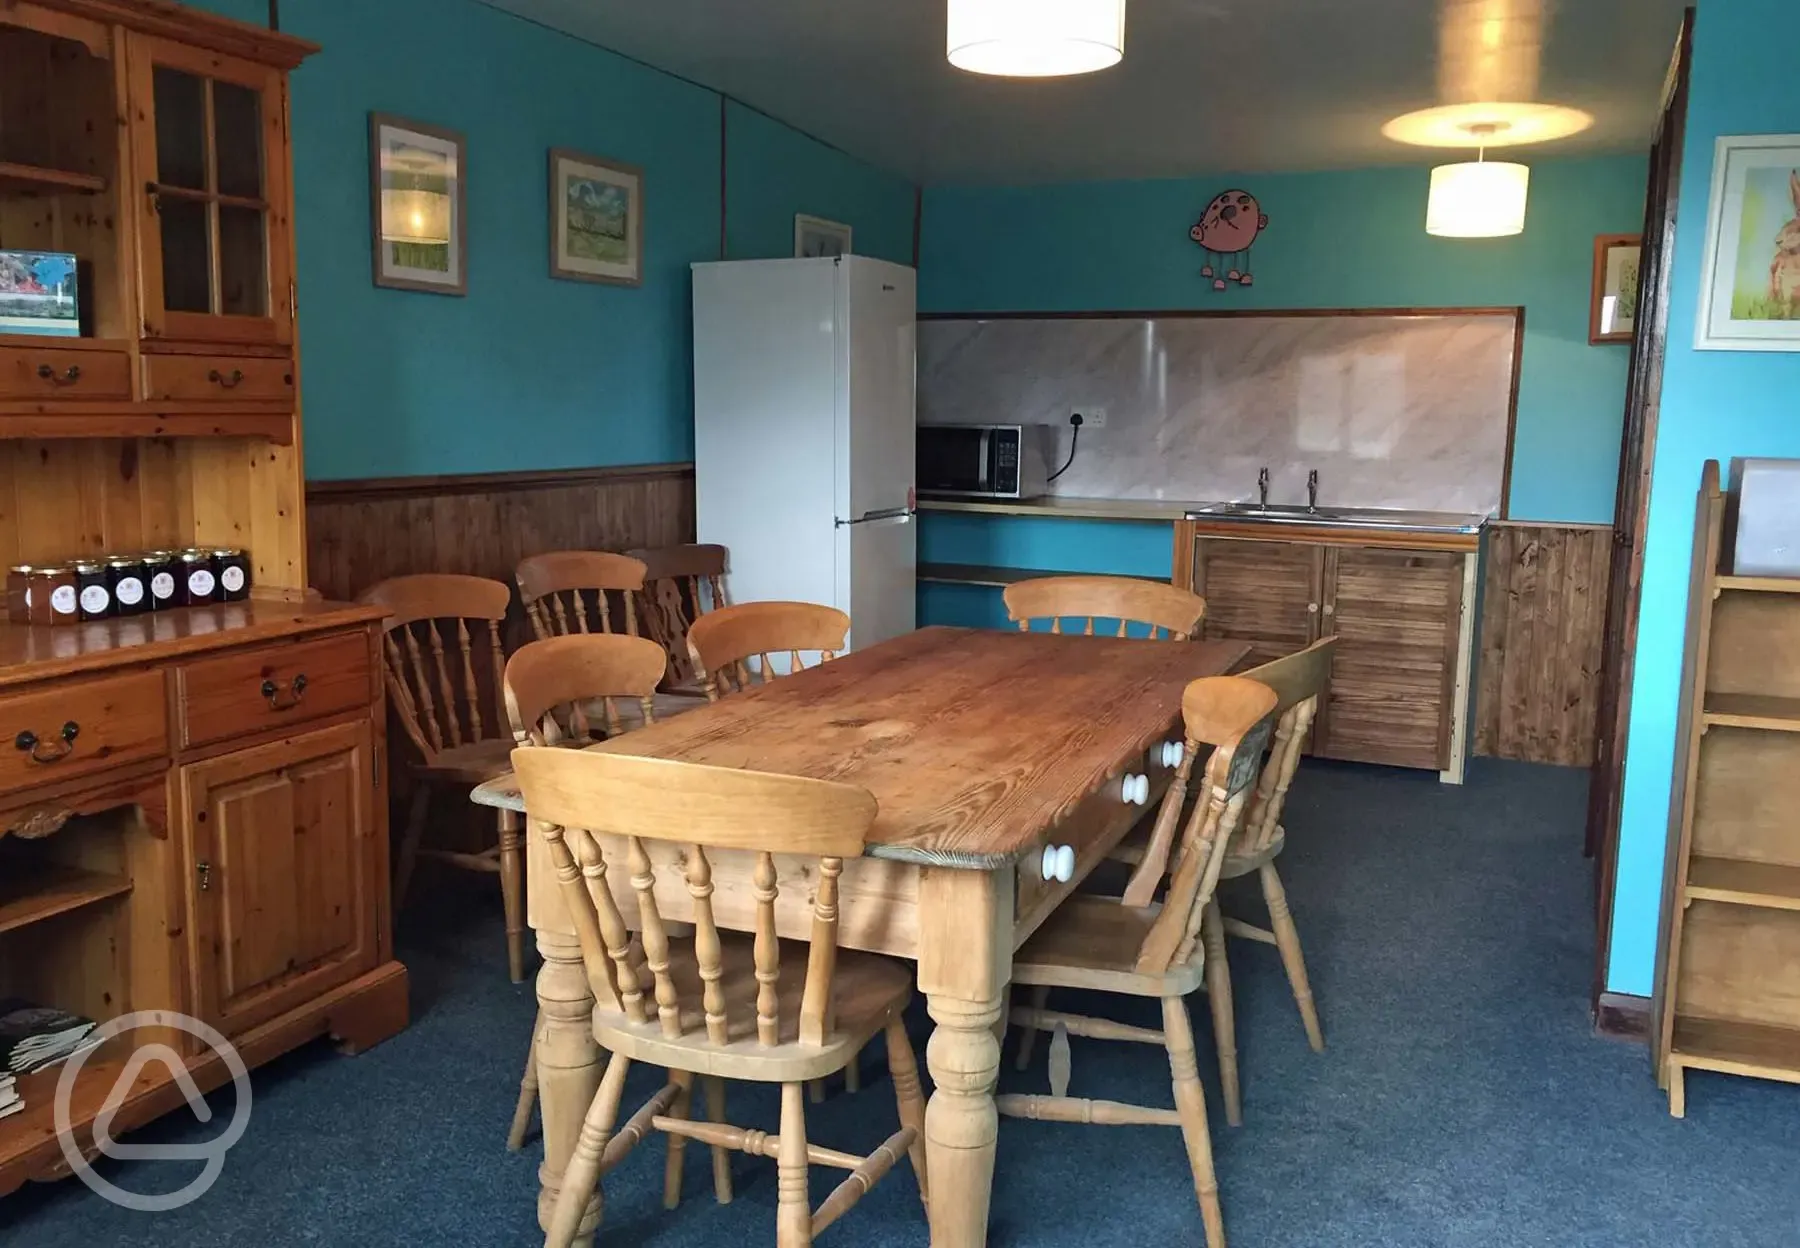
(1750, 276)
(596, 219)
(1612, 307)
(815, 237)
(418, 206)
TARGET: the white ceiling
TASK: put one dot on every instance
(1206, 85)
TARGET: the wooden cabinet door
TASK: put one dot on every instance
(1265, 593)
(281, 865)
(1396, 614)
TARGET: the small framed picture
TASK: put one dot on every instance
(1612, 313)
(1750, 280)
(596, 219)
(418, 183)
(815, 236)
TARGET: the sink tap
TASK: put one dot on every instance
(1262, 488)
(1312, 490)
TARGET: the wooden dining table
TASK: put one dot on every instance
(983, 749)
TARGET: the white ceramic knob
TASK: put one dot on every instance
(1134, 789)
(1171, 753)
(1059, 863)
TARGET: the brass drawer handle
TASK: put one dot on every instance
(226, 381)
(296, 691)
(28, 742)
(69, 377)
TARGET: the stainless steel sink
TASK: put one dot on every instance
(1340, 517)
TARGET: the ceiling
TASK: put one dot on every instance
(1206, 85)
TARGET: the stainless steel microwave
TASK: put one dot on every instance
(985, 461)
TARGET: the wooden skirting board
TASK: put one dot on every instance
(482, 524)
(1622, 1017)
(1542, 619)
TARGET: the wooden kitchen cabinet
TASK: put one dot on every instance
(1403, 616)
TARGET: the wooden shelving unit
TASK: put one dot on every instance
(1728, 974)
(35, 896)
(18, 179)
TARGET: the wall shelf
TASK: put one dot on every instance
(995, 577)
(1738, 882)
(1752, 710)
(45, 893)
(1739, 1048)
(17, 179)
(1762, 584)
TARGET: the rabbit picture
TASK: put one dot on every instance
(1784, 271)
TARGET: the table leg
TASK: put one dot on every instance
(568, 1068)
(965, 960)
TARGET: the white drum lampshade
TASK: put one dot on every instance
(1036, 38)
(1477, 199)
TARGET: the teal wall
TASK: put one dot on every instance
(1715, 405)
(525, 372)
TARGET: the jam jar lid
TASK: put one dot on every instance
(61, 569)
(88, 566)
(25, 569)
(195, 556)
(227, 552)
(124, 561)
(159, 554)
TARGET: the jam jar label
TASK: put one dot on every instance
(130, 590)
(162, 586)
(95, 600)
(232, 579)
(62, 599)
(200, 583)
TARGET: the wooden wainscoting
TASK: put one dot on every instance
(482, 524)
(1542, 618)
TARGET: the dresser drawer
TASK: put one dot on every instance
(1090, 831)
(270, 687)
(51, 372)
(72, 729)
(218, 379)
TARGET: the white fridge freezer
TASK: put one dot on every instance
(804, 433)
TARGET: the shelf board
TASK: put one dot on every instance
(1761, 584)
(1752, 710)
(1738, 1048)
(18, 179)
(1743, 883)
(43, 894)
(277, 427)
(994, 577)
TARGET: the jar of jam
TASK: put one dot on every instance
(94, 597)
(233, 569)
(160, 569)
(125, 578)
(199, 584)
(18, 594)
(53, 596)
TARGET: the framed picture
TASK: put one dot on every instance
(1750, 292)
(418, 183)
(815, 236)
(596, 219)
(1612, 311)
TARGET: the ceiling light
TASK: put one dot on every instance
(1493, 125)
(1036, 38)
(1477, 199)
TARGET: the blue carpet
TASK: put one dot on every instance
(1462, 1103)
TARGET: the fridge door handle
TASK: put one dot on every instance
(888, 515)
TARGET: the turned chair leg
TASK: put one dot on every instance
(1287, 939)
(581, 1177)
(677, 1144)
(903, 1066)
(408, 856)
(528, 1086)
(1040, 1001)
(793, 1209)
(1190, 1104)
(1218, 995)
(512, 890)
(721, 1156)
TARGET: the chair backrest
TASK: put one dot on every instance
(723, 641)
(552, 587)
(1298, 681)
(1235, 717)
(431, 608)
(1090, 598)
(572, 796)
(561, 675)
(681, 584)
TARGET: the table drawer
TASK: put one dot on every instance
(72, 729)
(270, 687)
(218, 379)
(51, 372)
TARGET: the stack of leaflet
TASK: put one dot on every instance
(32, 1038)
(9, 1096)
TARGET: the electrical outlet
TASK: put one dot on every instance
(1093, 418)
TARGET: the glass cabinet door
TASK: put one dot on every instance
(211, 141)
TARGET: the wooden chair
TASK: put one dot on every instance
(1298, 682)
(765, 1011)
(1156, 951)
(724, 641)
(1125, 599)
(681, 584)
(457, 748)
